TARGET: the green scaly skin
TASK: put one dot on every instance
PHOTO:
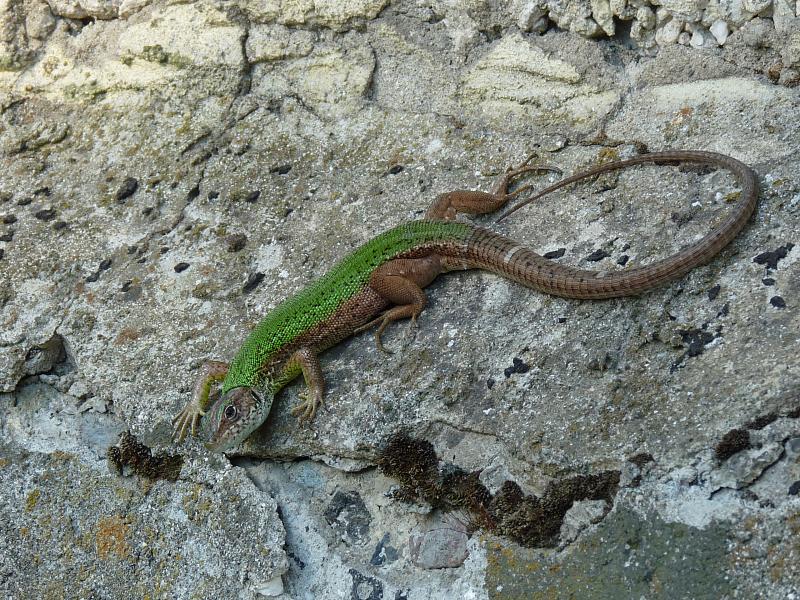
(320, 301)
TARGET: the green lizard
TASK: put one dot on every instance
(383, 281)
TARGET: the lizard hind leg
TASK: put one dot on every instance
(400, 282)
(448, 205)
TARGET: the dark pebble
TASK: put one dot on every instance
(768, 281)
(770, 259)
(696, 340)
(126, 286)
(193, 193)
(253, 281)
(777, 302)
(7, 237)
(181, 267)
(597, 255)
(164, 249)
(490, 383)
(59, 225)
(395, 169)
(561, 319)
(681, 219)
(127, 189)
(555, 253)
(252, 196)
(518, 367)
(132, 249)
(105, 264)
(794, 489)
(236, 242)
(714, 292)
(9, 219)
(213, 195)
(281, 169)
(625, 247)
(42, 191)
(46, 214)
(24, 201)
(623, 260)
(93, 277)
(2, 252)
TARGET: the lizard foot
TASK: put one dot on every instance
(383, 321)
(411, 330)
(525, 167)
(307, 409)
(186, 421)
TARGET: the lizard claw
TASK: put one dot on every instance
(412, 329)
(186, 421)
(307, 409)
(383, 323)
(379, 342)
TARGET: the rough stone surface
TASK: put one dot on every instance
(266, 140)
(71, 530)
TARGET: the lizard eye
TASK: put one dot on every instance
(231, 413)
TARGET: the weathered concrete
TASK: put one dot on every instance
(170, 172)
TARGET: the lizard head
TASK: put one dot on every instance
(234, 416)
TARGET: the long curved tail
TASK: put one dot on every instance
(493, 252)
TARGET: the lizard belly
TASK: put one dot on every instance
(358, 310)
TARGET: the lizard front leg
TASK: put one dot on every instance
(307, 361)
(211, 371)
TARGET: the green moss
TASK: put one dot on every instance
(32, 500)
(10, 62)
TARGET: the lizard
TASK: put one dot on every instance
(382, 281)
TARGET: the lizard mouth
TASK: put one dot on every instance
(213, 446)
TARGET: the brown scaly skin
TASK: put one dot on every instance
(393, 290)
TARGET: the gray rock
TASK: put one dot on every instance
(347, 514)
(89, 531)
(579, 517)
(443, 545)
(310, 127)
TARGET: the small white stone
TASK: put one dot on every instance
(791, 51)
(78, 390)
(528, 14)
(617, 7)
(719, 29)
(756, 6)
(668, 34)
(646, 17)
(271, 588)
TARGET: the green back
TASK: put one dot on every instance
(321, 299)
